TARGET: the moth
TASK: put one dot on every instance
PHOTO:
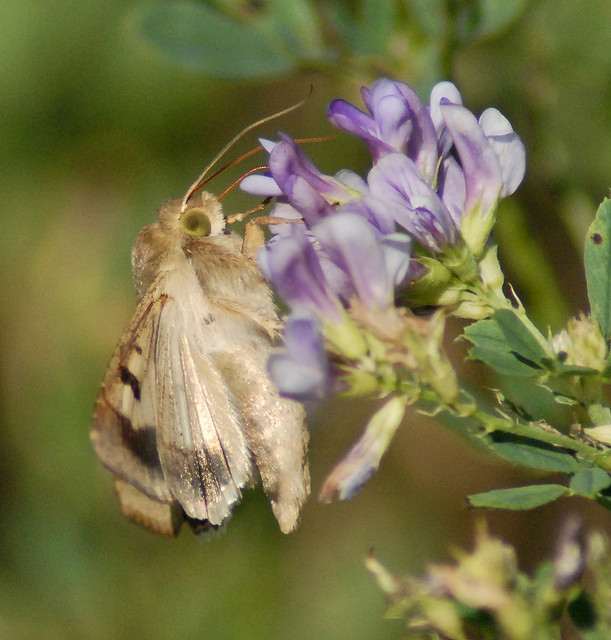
(187, 416)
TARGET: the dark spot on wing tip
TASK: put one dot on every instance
(128, 378)
(597, 238)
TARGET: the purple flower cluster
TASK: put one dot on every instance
(437, 176)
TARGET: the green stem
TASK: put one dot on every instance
(495, 423)
(491, 423)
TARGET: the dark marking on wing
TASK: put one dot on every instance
(208, 319)
(138, 349)
(142, 443)
(201, 527)
(128, 378)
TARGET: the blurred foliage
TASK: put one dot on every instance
(484, 595)
(97, 129)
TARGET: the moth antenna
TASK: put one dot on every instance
(191, 190)
(235, 183)
(331, 136)
(246, 155)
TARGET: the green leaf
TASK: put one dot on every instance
(604, 501)
(568, 401)
(519, 498)
(432, 16)
(536, 456)
(575, 370)
(471, 19)
(498, 15)
(299, 24)
(203, 39)
(590, 482)
(597, 260)
(495, 344)
(520, 338)
(365, 26)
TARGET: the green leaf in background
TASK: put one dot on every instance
(597, 260)
(589, 482)
(536, 456)
(519, 498)
(365, 26)
(496, 345)
(497, 15)
(271, 42)
(472, 19)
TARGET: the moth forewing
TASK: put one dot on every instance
(124, 431)
(159, 517)
(202, 447)
(275, 427)
(187, 413)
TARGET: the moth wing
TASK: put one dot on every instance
(124, 429)
(275, 427)
(204, 452)
(158, 517)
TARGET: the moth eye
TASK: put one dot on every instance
(195, 222)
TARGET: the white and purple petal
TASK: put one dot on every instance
(396, 181)
(353, 244)
(290, 262)
(301, 369)
(447, 92)
(508, 146)
(479, 161)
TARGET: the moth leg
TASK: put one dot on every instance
(254, 239)
(238, 217)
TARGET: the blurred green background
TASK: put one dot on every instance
(96, 129)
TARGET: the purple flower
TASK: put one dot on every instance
(293, 177)
(508, 147)
(479, 162)
(451, 188)
(353, 245)
(438, 174)
(491, 155)
(301, 370)
(445, 92)
(291, 263)
(492, 160)
(399, 122)
(413, 204)
(344, 256)
(433, 193)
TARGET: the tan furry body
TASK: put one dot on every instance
(187, 415)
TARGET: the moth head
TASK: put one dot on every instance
(202, 216)
(196, 223)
